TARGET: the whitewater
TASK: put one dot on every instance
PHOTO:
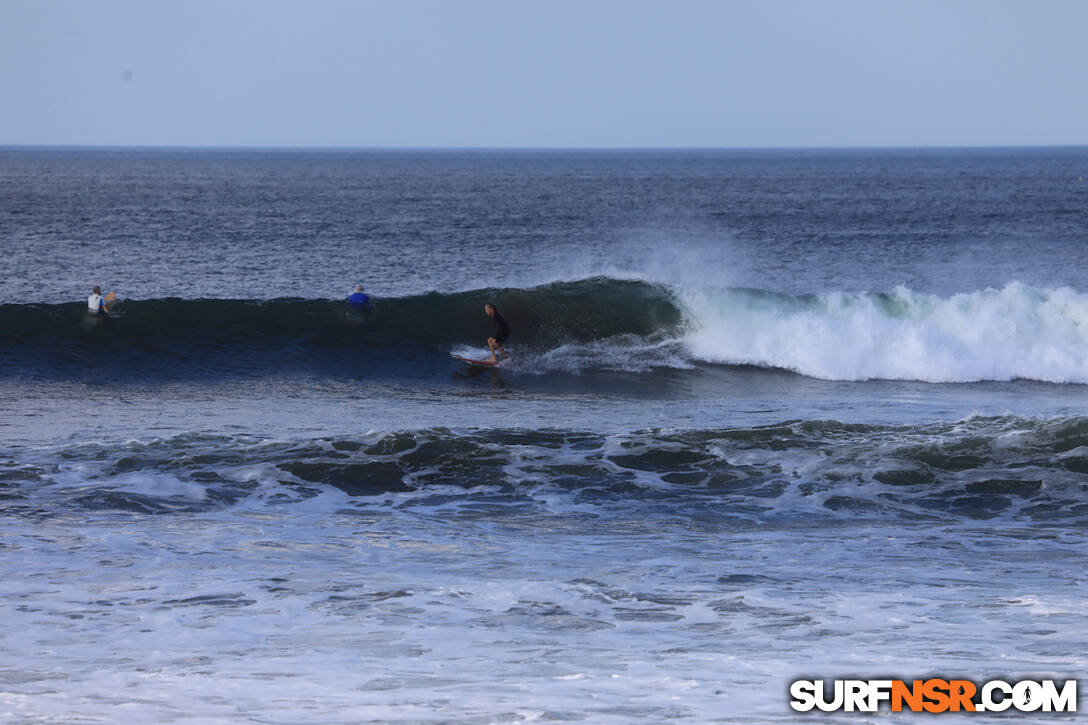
(1015, 332)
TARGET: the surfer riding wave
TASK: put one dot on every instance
(502, 331)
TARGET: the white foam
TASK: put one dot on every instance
(158, 485)
(640, 609)
(992, 334)
(626, 353)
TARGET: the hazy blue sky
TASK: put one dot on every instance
(545, 73)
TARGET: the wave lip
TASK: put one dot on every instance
(1018, 332)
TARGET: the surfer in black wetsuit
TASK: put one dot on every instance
(502, 331)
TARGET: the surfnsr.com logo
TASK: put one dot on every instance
(934, 695)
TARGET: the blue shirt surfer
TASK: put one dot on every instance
(357, 298)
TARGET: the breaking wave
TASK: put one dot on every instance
(1017, 332)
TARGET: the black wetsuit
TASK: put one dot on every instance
(502, 328)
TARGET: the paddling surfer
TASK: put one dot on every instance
(502, 331)
(358, 298)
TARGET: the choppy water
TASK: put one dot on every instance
(770, 415)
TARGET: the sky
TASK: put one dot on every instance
(544, 73)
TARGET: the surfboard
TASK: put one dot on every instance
(489, 363)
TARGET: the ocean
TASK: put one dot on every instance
(769, 415)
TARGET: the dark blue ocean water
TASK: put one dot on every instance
(263, 224)
(769, 414)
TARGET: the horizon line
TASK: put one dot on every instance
(228, 147)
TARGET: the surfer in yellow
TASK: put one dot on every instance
(502, 331)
